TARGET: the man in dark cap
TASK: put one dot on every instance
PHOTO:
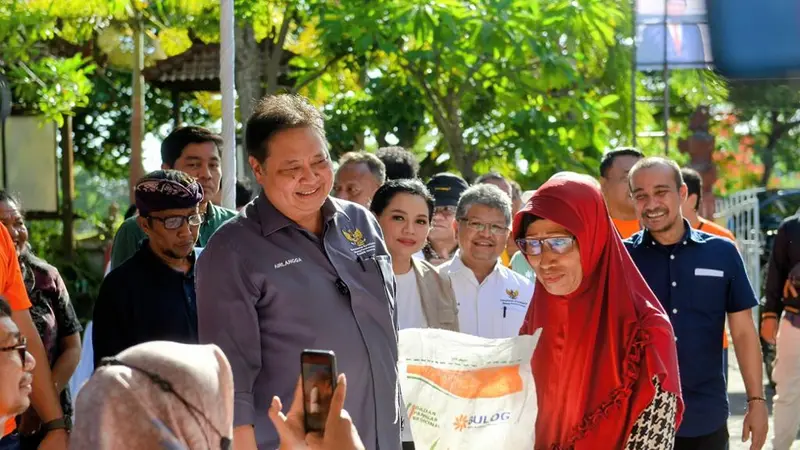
(446, 189)
(151, 296)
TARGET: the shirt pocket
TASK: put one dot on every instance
(710, 293)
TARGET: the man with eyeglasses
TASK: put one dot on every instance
(195, 151)
(446, 189)
(492, 299)
(151, 296)
(16, 367)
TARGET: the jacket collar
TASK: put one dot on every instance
(689, 235)
(272, 220)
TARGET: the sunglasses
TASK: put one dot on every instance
(21, 347)
(559, 245)
(175, 222)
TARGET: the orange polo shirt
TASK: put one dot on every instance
(13, 288)
(717, 230)
(627, 228)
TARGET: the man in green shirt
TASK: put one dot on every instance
(195, 151)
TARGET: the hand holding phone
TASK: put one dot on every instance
(340, 433)
(318, 368)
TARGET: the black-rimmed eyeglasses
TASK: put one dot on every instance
(175, 222)
(21, 347)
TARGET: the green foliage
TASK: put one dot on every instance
(500, 80)
(102, 130)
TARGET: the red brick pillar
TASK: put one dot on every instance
(700, 147)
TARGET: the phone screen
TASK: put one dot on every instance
(319, 382)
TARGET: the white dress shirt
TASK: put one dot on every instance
(494, 308)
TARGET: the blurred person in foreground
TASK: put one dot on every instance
(446, 189)
(700, 280)
(400, 163)
(52, 313)
(196, 152)
(614, 168)
(157, 395)
(44, 396)
(300, 269)
(491, 298)
(780, 324)
(16, 367)
(360, 174)
(600, 322)
(151, 296)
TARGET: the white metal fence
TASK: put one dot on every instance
(739, 212)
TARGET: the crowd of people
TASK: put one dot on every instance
(197, 331)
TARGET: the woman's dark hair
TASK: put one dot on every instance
(384, 195)
(527, 220)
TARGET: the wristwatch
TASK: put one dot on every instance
(63, 423)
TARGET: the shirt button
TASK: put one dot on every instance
(684, 242)
(676, 338)
(674, 284)
(675, 311)
(671, 256)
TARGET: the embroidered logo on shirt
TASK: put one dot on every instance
(288, 262)
(512, 293)
(356, 237)
(359, 242)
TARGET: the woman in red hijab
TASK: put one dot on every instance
(606, 367)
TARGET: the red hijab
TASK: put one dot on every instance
(602, 345)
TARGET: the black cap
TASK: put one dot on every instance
(446, 188)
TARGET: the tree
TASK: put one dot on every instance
(487, 71)
(770, 111)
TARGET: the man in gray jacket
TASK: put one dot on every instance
(298, 269)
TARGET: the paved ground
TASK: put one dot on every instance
(737, 399)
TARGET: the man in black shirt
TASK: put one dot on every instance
(783, 284)
(151, 296)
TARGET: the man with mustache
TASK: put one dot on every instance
(151, 296)
(492, 299)
(195, 151)
(700, 280)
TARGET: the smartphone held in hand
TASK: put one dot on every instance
(319, 381)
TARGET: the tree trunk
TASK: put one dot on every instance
(248, 86)
(768, 159)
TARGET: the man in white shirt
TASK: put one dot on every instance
(492, 299)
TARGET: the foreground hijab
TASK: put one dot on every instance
(602, 345)
(122, 408)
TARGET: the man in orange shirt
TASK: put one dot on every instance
(694, 183)
(614, 169)
(44, 398)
